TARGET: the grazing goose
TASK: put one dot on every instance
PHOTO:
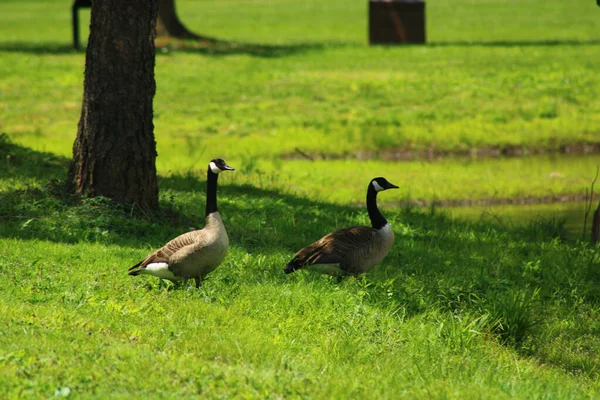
(193, 254)
(354, 250)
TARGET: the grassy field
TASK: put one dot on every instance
(315, 85)
(462, 310)
(457, 310)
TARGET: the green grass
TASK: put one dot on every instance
(537, 87)
(491, 97)
(479, 309)
(456, 310)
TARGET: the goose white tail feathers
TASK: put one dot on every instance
(158, 269)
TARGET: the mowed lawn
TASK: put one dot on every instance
(457, 310)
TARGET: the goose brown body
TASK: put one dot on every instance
(348, 251)
(353, 250)
(192, 255)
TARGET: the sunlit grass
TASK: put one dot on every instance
(247, 105)
(332, 98)
(345, 181)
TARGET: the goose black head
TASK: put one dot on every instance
(380, 184)
(218, 165)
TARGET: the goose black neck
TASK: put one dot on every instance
(211, 192)
(377, 220)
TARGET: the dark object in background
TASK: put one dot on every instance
(77, 4)
(396, 21)
(596, 224)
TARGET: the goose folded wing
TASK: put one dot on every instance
(335, 247)
(165, 253)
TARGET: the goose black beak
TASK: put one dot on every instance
(228, 168)
(392, 186)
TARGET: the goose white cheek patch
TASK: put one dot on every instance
(377, 187)
(214, 168)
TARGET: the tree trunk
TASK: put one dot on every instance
(169, 22)
(114, 153)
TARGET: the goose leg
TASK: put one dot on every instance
(198, 280)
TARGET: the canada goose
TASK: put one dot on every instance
(193, 254)
(353, 250)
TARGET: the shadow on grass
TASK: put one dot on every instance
(261, 217)
(462, 270)
(163, 47)
(21, 162)
(517, 43)
(45, 211)
(40, 48)
(436, 262)
(225, 48)
(259, 220)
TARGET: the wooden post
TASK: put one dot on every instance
(396, 21)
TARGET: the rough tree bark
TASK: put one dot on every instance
(169, 23)
(114, 153)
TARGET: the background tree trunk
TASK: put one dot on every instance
(169, 23)
(114, 153)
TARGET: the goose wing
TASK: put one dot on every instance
(334, 247)
(179, 246)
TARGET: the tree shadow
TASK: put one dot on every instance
(454, 266)
(163, 47)
(517, 43)
(256, 217)
(182, 202)
(435, 259)
(260, 223)
(224, 48)
(39, 48)
(20, 162)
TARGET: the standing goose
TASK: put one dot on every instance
(353, 250)
(193, 254)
